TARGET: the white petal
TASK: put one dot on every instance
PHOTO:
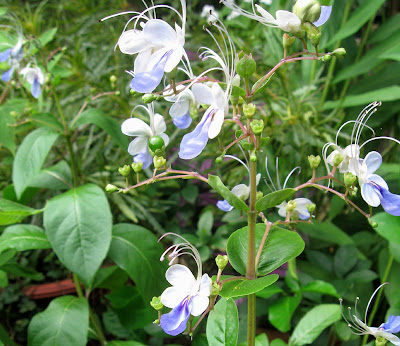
(268, 16)
(202, 93)
(388, 336)
(373, 160)
(165, 138)
(159, 124)
(370, 194)
(219, 97)
(172, 296)
(132, 42)
(258, 177)
(331, 156)
(242, 191)
(205, 285)
(216, 124)
(136, 127)
(159, 33)
(287, 20)
(40, 75)
(138, 145)
(180, 276)
(352, 150)
(173, 59)
(378, 180)
(199, 304)
(142, 62)
(302, 202)
(282, 209)
(179, 108)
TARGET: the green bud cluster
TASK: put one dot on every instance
(257, 126)
(221, 261)
(249, 110)
(219, 160)
(125, 170)
(246, 66)
(159, 161)
(326, 57)
(349, 179)
(373, 224)
(290, 206)
(314, 161)
(137, 166)
(259, 195)
(311, 207)
(337, 160)
(287, 40)
(156, 303)
(353, 191)
(148, 98)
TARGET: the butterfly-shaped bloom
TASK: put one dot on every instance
(34, 76)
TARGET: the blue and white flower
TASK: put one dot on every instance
(385, 330)
(34, 76)
(188, 295)
(139, 147)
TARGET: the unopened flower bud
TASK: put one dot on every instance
(380, 341)
(373, 224)
(249, 109)
(257, 126)
(315, 39)
(137, 166)
(337, 160)
(353, 191)
(156, 303)
(253, 157)
(113, 79)
(14, 114)
(221, 261)
(349, 179)
(287, 40)
(307, 10)
(290, 206)
(240, 101)
(159, 161)
(111, 188)
(148, 98)
(215, 288)
(219, 160)
(259, 195)
(326, 57)
(125, 170)
(134, 93)
(246, 66)
(314, 161)
(311, 207)
(339, 53)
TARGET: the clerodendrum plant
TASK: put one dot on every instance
(225, 94)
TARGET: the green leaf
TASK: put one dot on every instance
(362, 14)
(99, 118)
(17, 270)
(262, 340)
(64, 322)
(47, 36)
(57, 177)
(269, 291)
(263, 85)
(23, 237)
(223, 324)
(322, 287)
(124, 343)
(326, 231)
(11, 212)
(388, 226)
(216, 183)
(391, 93)
(244, 287)
(78, 225)
(281, 311)
(6, 131)
(278, 342)
(5, 338)
(281, 246)
(392, 54)
(314, 322)
(386, 30)
(3, 280)
(204, 226)
(345, 259)
(110, 278)
(274, 198)
(47, 120)
(30, 157)
(135, 249)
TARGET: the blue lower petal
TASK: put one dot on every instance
(175, 321)
(304, 216)
(144, 158)
(182, 122)
(194, 142)
(390, 202)
(35, 89)
(325, 14)
(392, 325)
(146, 82)
(5, 55)
(6, 76)
(224, 205)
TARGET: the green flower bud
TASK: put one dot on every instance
(307, 10)
(246, 66)
(219, 160)
(157, 321)
(349, 179)
(380, 341)
(339, 53)
(314, 161)
(337, 160)
(291, 206)
(137, 166)
(241, 100)
(14, 114)
(253, 157)
(156, 303)
(353, 191)
(326, 57)
(134, 93)
(125, 170)
(113, 79)
(315, 39)
(373, 224)
(159, 161)
(249, 109)
(156, 142)
(215, 288)
(111, 188)
(287, 40)
(257, 126)
(311, 207)
(148, 98)
(221, 261)
(259, 195)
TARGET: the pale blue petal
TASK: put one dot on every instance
(194, 142)
(175, 321)
(146, 82)
(392, 325)
(182, 122)
(145, 158)
(304, 215)
(391, 204)
(325, 14)
(371, 194)
(5, 55)
(6, 76)
(35, 89)
(19, 55)
(224, 205)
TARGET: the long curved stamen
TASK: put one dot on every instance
(290, 174)
(380, 137)
(269, 176)
(239, 160)
(370, 300)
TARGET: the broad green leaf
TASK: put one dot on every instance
(57, 177)
(6, 131)
(3, 280)
(5, 338)
(47, 120)
(269, 291)
(23, 237)
(263, 85)
(322, 287)
(111, 278)
(64, 322)
(261, 340)
(388, 226)
(392, 54)
(30, 157)
(326, 231)
(204, 226)
(281, 246)
(345, 259)
(244, 287)
(108, 124)
(281, 311)
(223, 324)
(278, 342)
(6, 256)
(17, 270)
(78, 225)
(391, 93)
(386, 30)
(47, 36)
(216, 183)
(124, 343)
(313, 323)
(274, 198)
(362, 14)
(135, 249)
(11, 212)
